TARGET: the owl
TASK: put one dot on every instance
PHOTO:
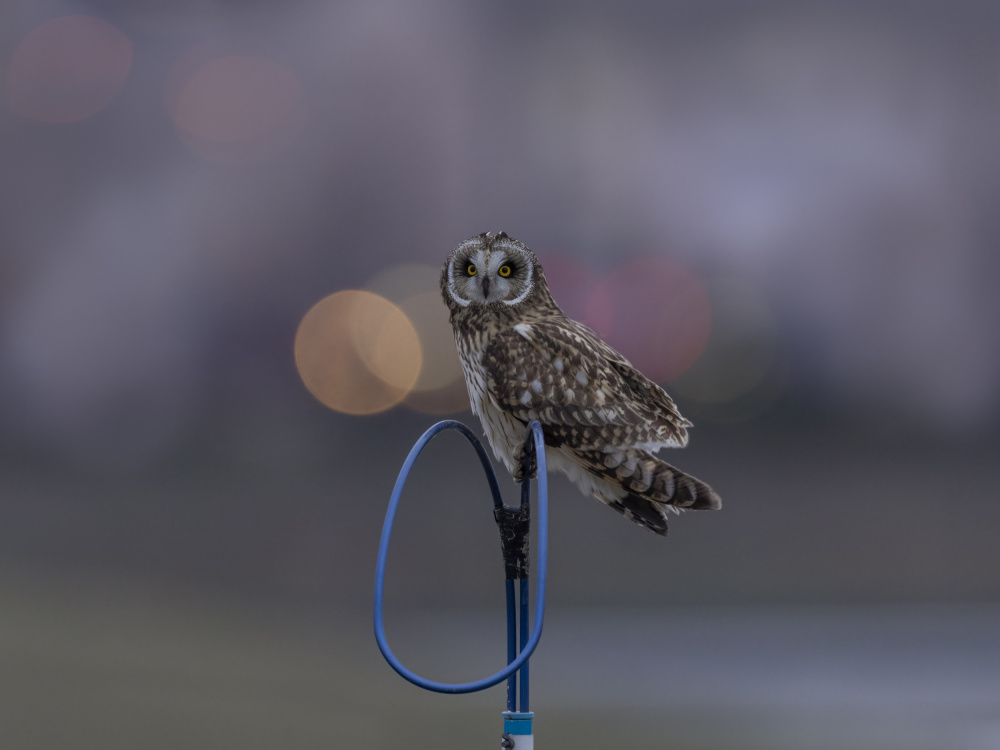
(523, 360)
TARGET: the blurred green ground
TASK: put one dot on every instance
(95, 661)
(844, 599)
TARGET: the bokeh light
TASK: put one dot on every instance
(234, 106)
(655, 311)
(578, 291)
(739, 375)
(570, 281)
(441, 386)
(357, 352)
(399, 282)
(450, 399)
(429, 316)
(440, 389)
(67, 69)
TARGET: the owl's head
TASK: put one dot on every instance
(493, 270)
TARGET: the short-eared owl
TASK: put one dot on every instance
(524, 359)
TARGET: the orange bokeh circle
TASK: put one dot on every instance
(357, 353)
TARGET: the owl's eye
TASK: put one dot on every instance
(471, 269)
(504, 270)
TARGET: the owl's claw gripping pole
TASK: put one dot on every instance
(514, 525)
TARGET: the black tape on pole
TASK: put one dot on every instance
(514, 525)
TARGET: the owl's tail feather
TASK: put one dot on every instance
(643, 511)
(652, 487)
(683, 490)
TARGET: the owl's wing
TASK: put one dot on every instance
(582, 391)
(636, 381)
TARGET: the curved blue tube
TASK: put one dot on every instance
(528, 648)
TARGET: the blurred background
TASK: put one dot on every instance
(220, 333)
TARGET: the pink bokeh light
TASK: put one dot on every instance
(654, 310)
(67, 69)
(233, 105)
(662, 315)
(571, 281)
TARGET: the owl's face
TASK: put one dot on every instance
(491, 270)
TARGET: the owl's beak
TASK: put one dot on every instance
(486, 288)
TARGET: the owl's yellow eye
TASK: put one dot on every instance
(471, 270)
(504, 271)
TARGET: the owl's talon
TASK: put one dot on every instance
(506, 741)
(527, 462)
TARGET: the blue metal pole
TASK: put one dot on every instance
(523, 597)
(511, 646)
(528, 647)
(524, 642)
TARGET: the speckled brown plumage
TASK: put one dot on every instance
(523, 359)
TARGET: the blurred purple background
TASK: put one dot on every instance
(187, 536)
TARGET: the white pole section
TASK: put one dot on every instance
(517, 732)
